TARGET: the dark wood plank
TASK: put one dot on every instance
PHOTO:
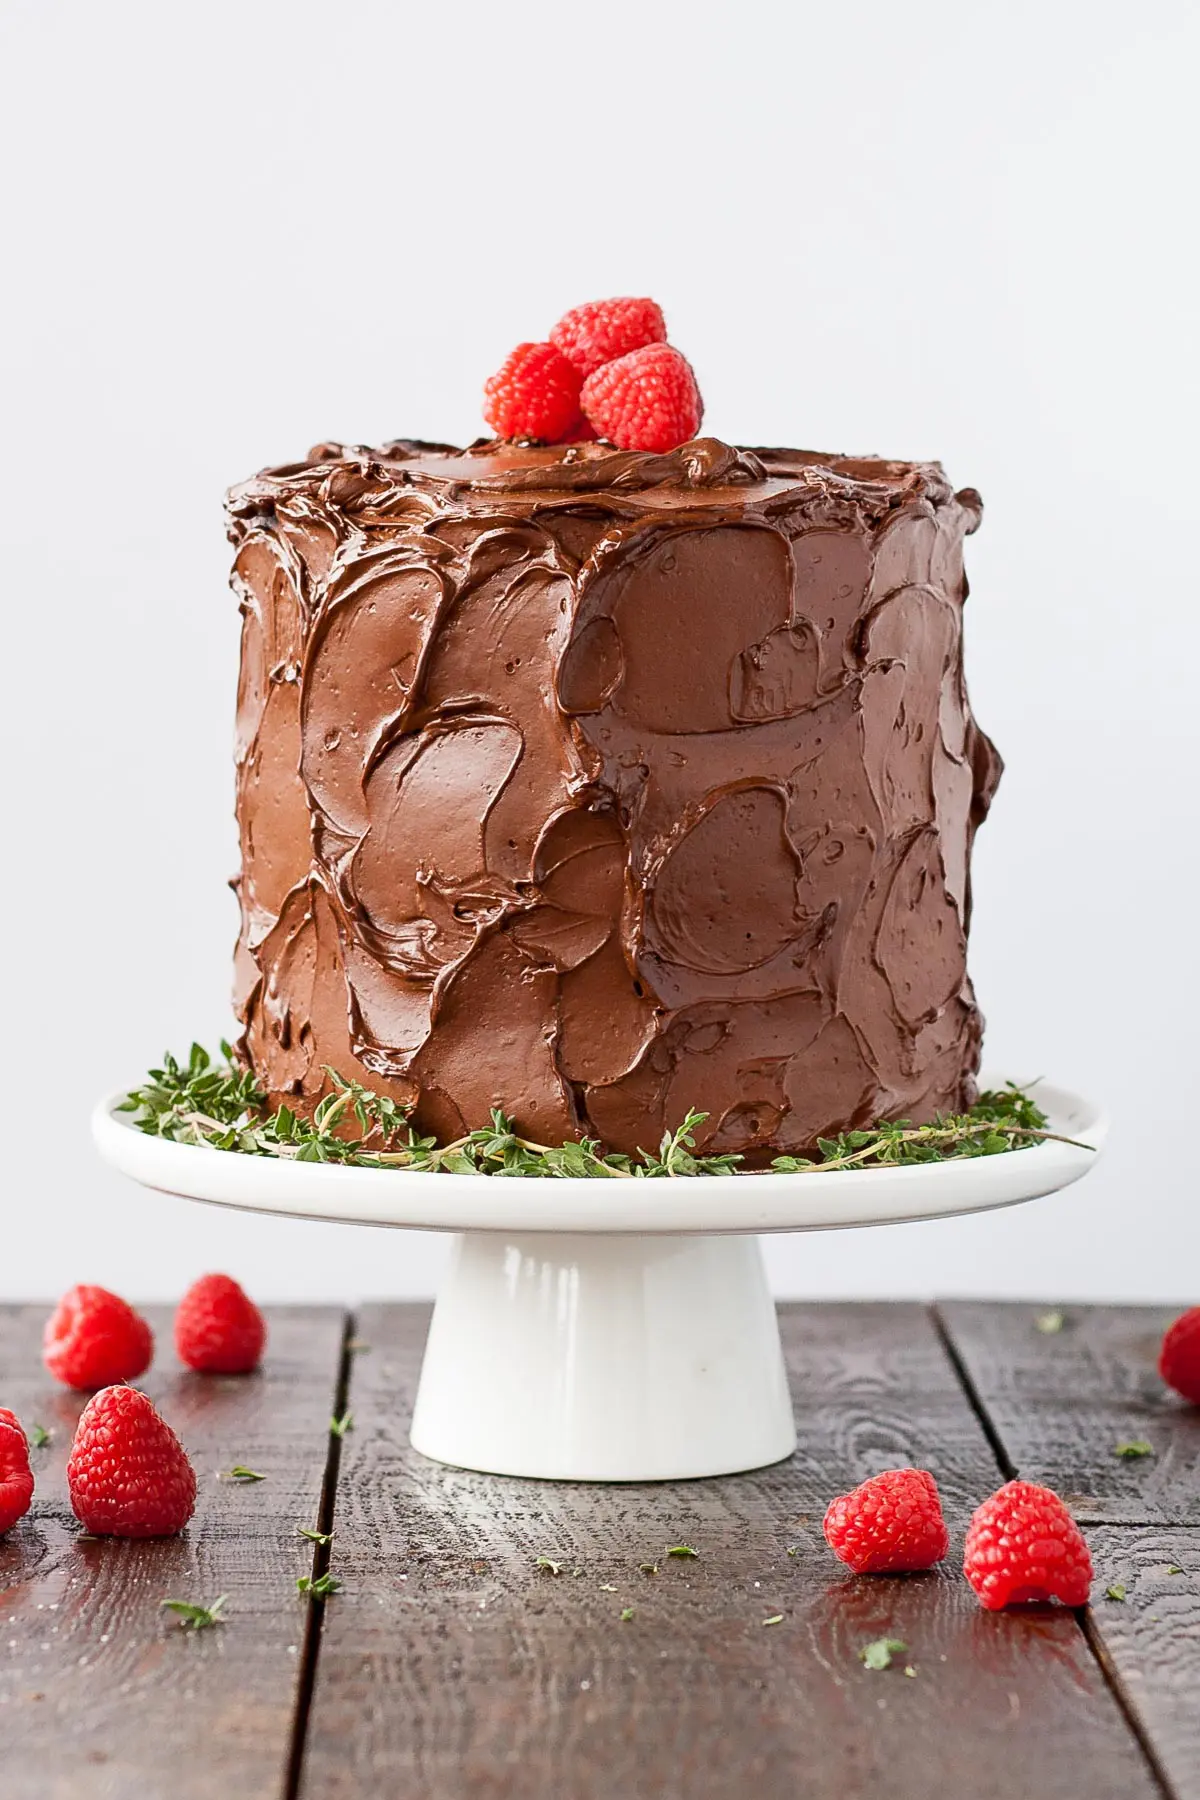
(451, 1666)
(101, 1694)
(1061, 1402)
(1151, 1639)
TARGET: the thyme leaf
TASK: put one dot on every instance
(196, 1618)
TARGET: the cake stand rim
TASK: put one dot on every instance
(586, 1205)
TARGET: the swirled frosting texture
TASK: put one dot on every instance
(598, 785)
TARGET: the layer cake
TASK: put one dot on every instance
(599, 785)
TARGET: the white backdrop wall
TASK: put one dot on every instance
(235, 229)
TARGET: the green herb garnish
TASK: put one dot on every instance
(318, 1585)
(682, 1550)
(775, 1619)
(625, 1615)
(549, 1565)
(38, 1436)
(879, 1653)
(1135, 1447)
(648, 1568)
(207, 1101)
(240, 1472)
(196, 1618)
(314, 1537)
(1050, 1323)
(339, 1427)
(1117, 1591)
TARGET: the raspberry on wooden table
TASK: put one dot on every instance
(647, 400)
(94, 1338)
(1023, 1545)
(218, 1328)
(16, 1478)
(1179, 1359)
(533, 394)
(128, 1474)
(889, 1524)
(602, 330)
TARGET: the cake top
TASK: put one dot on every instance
(405, 476)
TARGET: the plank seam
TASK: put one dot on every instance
(315, 1614)
(1084, 1617)
(1108, 1668)
(974, 1399)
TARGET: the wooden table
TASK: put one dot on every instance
(451, 1664)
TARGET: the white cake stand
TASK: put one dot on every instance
(596, 1330)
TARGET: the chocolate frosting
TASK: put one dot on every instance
(598, 785)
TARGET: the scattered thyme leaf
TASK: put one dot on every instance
(197, 1618)
(38, 1437)
(549, 1565)
(608, 1587)
(682, 1550)
(1135, 1447)
(909, 1670)
(202, 1099)
(357, 1347)
(319, 1585)
(1174, 1569)
(879, 1652)
(1049, 1323)
(314, 1537)
(648, 1568)
(625, 1614)
(340, 1427)
(793, 1549)
(240, 1472)
(1117, 1591)
(775, 1619)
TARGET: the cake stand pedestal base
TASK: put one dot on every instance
(589, 1358)
(604, 1330)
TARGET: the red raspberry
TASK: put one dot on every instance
(10, 1418)
(602, 330)
(128, 1474)
(1023, 1544)
(16, 1480)
(647, 400)
(218, 1329)
(94, 1338)
(891, 1523)
(1179, 1360)
(534, 394)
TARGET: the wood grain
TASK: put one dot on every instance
(452, 1666)
(1061, 1402)
(102, 1695)
(1151, 1640)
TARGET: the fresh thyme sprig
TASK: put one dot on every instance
(202, 1101)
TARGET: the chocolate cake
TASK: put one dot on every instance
(596, 785)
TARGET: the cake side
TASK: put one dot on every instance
(599, 785)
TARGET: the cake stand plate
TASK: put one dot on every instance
(596, 1330)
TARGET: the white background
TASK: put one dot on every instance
(954, 231)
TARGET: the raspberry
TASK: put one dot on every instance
(891, 1523)
(94, 1338)
(16, 1480)
(1023, 1544)
(10, 1418)
(128, 1473)
(1179, 1359)
(534, 394)
(602, 330)
(218, 1329)
(647, 400)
